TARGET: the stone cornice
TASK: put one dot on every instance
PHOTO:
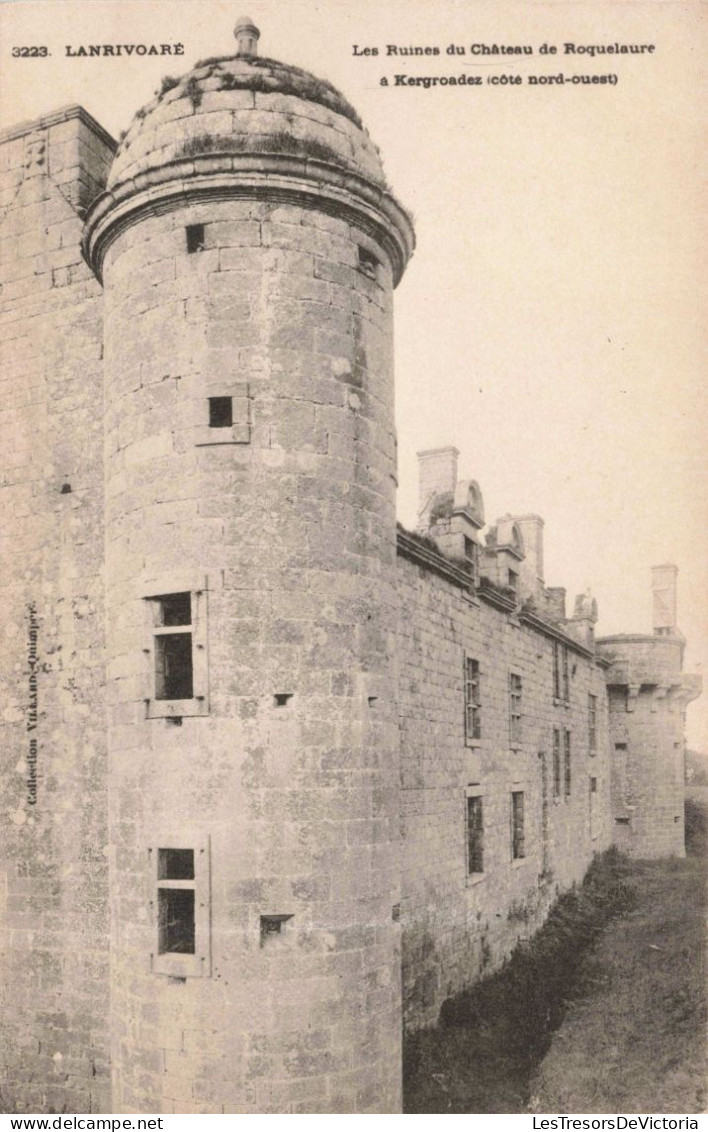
(273, 177)
(63, 114)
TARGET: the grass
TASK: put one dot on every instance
(604, 1011)
(491, 1038)
(636, 1043)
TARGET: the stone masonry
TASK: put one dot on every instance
(278, 778)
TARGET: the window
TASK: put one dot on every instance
(593, 786)
(195, 238)
(518, 851)
(181, 907)
(177, 682)
(561, 678)
(472, 558)
(367, 262)
(173, 647)
(514, 709)
(475, 835)
(224, 415)
(473, 726)
(556, 763)
(221, 412)
(566, 764)
(513, 581)
(592, 724)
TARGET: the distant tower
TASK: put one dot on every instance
(248, 247)
(648, 694)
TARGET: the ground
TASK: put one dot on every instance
(620, 1030)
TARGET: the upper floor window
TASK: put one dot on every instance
(181, 910)
(195, 238)
(513, 581)
(177, 652)
(592, 724)
(475, 835)
(566, 765)
(473, 723)
(472, 558)
(518, 838)
(556, 763)
(561, 678)
(514, 709)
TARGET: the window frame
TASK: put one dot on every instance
(516, 691)
(567, 766)
(561, 673)
(556, 764)
(474, 796)
(473, 702)
(159, 707)
(592, 724)
(518, 826)
(182, 965)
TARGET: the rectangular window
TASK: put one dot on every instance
(181, 910)
(173, 647)
(592, 724)
(177, 653)
(593, 786)
(513, 581)
(221, 412)
(472, 559)
(514, 709)
(195, 238)
(473, 724)
(518, 850)
(566, 764)
(367, 262)
(561, 675)
(556, 763)
(475, 835)
(176, 921)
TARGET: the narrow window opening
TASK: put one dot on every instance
(518, 848)
(221, 412)
(592, 724)
(195, 238)
(65, 489)
(475, 836)
(273, 925)
(566, 765)
(515, 691)
(593, 786)
(473, 721)
(513, 581)
(282, 698)
(368, 262)
(372, 700)
(556, 764)
(620, 746)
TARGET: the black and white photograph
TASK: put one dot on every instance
(353, 558)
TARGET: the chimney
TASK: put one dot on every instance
(531, 569)
(437, 475)
(663, 585)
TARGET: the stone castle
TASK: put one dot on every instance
(278, 777)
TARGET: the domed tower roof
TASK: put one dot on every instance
(250, 117)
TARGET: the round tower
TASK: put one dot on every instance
(248, 247)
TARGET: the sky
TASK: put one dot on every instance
(549, 324)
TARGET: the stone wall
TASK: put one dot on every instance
(457, 925)
(285, 771)
(54, 885)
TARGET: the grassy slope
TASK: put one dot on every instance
(636, 1042)
(597, 1015)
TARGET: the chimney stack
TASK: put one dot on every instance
(663, 585)
(437, 475)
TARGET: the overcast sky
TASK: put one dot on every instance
(549, 324)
